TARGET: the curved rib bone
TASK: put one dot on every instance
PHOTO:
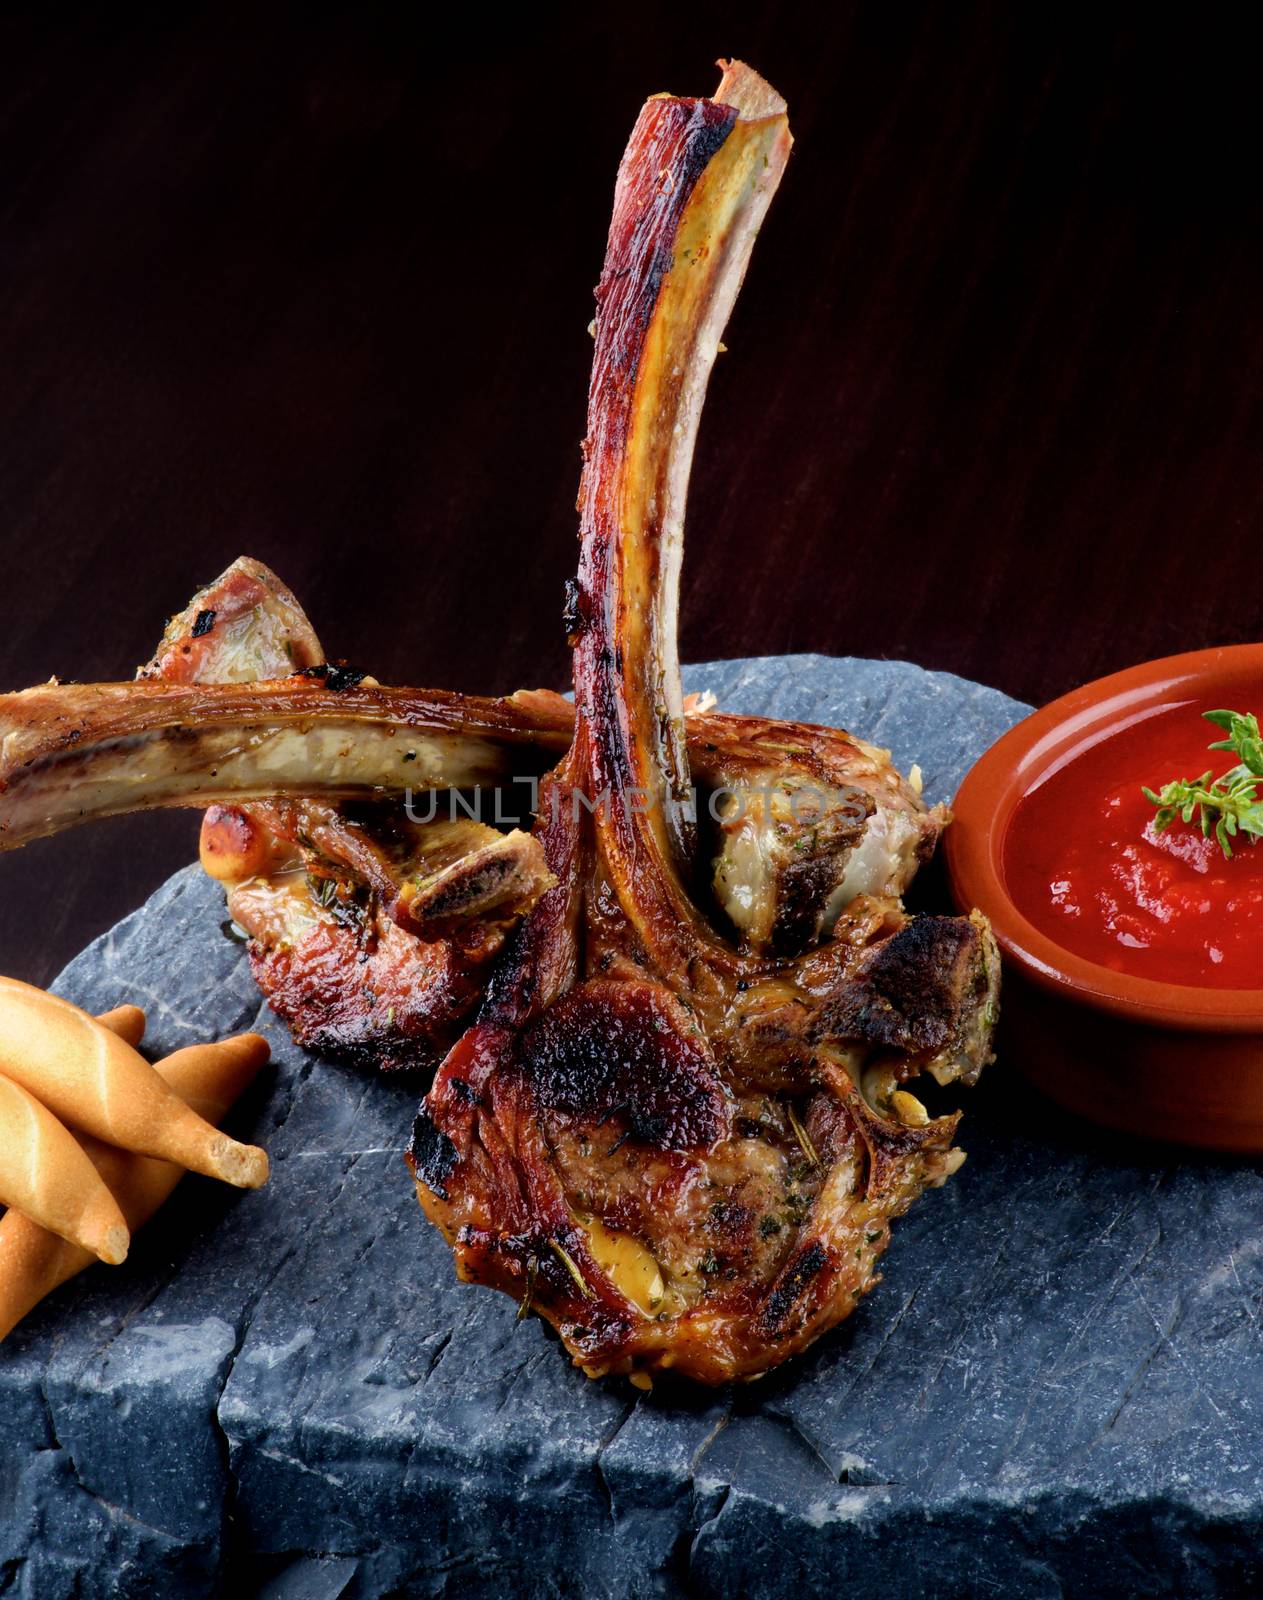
(695, 182)
(71, 754)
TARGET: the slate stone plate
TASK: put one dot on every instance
(1056, 1390)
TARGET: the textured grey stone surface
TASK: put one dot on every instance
(1056, 1390)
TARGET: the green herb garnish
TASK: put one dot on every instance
(1223, 807)
(803, 1137)
(324, 891)
(532, 1272)
(567, 1260)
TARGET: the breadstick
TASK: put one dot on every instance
(95, 1082)
(45, 1173)
(34, 1262)
(126, 1021)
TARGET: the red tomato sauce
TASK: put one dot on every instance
(1083, 863)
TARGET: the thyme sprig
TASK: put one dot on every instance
(803, 1137)
(1223, 807)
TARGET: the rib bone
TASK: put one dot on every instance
(77, 752)
(71, 754)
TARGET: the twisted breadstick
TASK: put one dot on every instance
(94, 1081)
(34, 1262)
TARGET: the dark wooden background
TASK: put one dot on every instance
(314, 285)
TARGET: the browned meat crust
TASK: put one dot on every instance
(245, 626)
(683, 1153)
(684, 1148)
(371, 995)
(370, 935)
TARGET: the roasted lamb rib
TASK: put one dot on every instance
(675, 1020)
(683, 1152)
(370, 933)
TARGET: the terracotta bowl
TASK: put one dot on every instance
(1163, 1060)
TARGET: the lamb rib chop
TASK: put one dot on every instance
(682, 1153)
(812, 818)
(679, 1126)
(370, 934)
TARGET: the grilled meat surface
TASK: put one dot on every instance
(675, 1022)
(243, 627)
(683, 1150)
(369, 933)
